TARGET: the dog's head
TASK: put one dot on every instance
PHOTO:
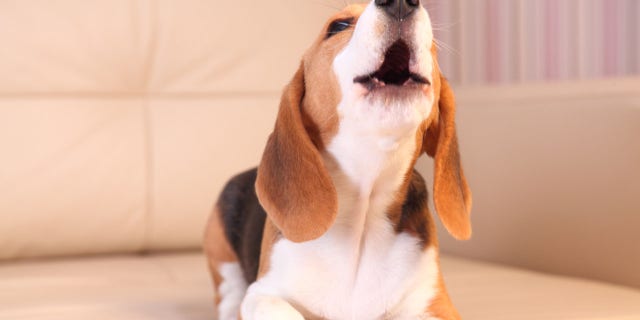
(376, 65)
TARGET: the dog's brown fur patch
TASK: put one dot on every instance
(217, 249)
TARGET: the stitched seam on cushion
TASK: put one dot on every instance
(147, 70)
(149, 163)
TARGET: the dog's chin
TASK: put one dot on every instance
(391, 110)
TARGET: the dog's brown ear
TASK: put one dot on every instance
(293, 185)
(451, 194)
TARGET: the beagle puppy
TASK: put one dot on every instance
(334, 223)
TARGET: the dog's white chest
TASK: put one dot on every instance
(393, 278)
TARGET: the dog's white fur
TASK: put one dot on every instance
(360, 268)
(232, 290)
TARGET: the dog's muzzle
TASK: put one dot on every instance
(395, 69)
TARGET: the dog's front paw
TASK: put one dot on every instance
(269, 308)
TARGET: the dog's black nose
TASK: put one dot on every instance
(398, 9)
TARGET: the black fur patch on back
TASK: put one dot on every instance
(415, 217)
(243, 218)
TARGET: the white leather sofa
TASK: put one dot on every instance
(120, 120)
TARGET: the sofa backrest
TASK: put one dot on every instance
(555, 175)
(120, 120)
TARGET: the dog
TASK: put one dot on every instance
(334, 222)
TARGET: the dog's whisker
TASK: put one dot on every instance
(442, 45)
(444, 27)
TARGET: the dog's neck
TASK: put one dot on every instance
(368, 169)
(372, 162)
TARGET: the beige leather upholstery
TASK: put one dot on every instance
(72, 176)
(155, 46)
(177, 286)
(121, 119)
(490, 292)
(555, 175)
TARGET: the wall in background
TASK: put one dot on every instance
(507, 41)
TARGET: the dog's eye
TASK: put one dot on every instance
(338, 26)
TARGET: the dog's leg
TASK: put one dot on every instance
(228, 280)
(231, 290)
(265, 307)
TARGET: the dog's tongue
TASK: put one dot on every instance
(395, 68)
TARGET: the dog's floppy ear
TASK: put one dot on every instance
(451, 193)
(293, 185)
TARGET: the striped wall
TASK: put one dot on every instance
(507, 41)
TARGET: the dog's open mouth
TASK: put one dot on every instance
(394, 70)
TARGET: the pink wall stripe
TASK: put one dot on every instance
(551, 44)
(492, 34)
(632, 8)
(611, 18)
(504, 41)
